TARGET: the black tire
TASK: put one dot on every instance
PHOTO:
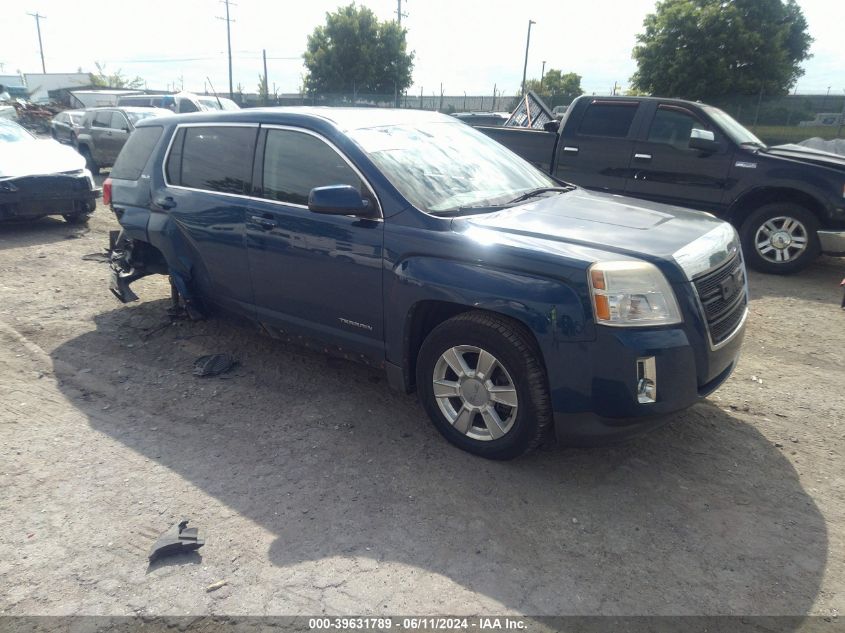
(775, 212)
(77, 218)
(90, 163)
(517, 355)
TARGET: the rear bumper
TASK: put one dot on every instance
(832, 242)
(54, 194)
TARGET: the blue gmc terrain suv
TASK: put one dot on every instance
(516, 305)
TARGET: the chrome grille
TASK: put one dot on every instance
(723, 299)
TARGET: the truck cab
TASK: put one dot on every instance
(787, 202)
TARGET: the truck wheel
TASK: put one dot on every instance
(780, 238)
(480, 379)
(90, 163)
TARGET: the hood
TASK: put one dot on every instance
(597, 221)
(807, 155)
(38, 158)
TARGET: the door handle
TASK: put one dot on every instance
(642, 156)
(165, 202)
(265, 223)
(569, 149)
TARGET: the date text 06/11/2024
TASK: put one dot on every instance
(415, 623)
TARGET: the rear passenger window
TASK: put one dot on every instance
(214, 158)
(135, 154)
(608, 119)
(295, 163)
(102, 119)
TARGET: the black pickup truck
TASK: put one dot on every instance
(787, 202)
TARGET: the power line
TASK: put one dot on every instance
(38, 18)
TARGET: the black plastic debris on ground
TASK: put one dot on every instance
(213, 365)
(180, 539)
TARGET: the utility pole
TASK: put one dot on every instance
(542, 74)
(266, 89)
(399, 14)
(229, 42)
(525, 65)
(38, 18)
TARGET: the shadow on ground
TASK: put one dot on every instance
(22, 234)
(702, 516)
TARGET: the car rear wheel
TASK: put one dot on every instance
(481, 381)
(780, 238)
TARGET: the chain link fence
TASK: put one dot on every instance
(781, 119)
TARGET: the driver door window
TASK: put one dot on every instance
(296, 162)
(672, 126)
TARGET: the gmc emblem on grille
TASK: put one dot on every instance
(731, 285)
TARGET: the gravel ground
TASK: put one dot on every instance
(321, 491)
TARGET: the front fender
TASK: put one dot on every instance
(552, 310)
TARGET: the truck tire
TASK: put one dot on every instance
(90, 163)
(481, 381)
(780, 238)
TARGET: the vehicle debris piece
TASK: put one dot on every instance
(102, 257)
(216, 585)
(213, 365)
(179, 539)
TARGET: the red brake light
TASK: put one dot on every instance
(107, 192)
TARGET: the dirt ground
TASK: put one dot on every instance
(321, 491)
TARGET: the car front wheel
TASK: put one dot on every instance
(780, 238)
(482, 383)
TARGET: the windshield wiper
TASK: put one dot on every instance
(539, 191)
(752, 144)
(486, 208)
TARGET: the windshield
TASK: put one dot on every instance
(442, 165)
(210, 103)
(738, 133)
(13, 133)
(146, 114)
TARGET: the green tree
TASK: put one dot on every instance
(556, 88)
(103, 79)
(356, 53)
(699, 49)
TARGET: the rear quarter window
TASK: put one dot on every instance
(135, 154)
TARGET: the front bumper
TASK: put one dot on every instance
(832, 242)
(53, 194)
(596, 399)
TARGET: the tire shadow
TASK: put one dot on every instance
(702, 516)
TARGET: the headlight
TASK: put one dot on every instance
(632, 293)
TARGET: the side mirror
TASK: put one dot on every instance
(339, 200)
(703, 140)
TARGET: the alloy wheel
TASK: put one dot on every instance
(475, 392)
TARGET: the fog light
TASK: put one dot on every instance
(646, 380)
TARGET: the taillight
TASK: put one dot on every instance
(107, 192)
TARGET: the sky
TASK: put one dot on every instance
(467, 45)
